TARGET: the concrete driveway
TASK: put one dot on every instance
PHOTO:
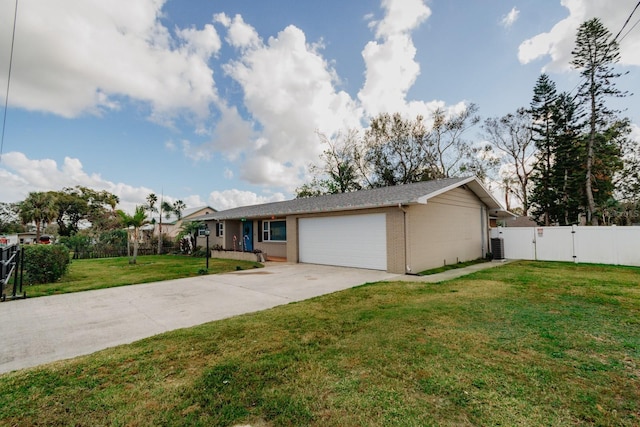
(46, 329)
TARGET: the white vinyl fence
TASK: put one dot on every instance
(602, 245)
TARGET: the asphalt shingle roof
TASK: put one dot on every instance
(364, 199)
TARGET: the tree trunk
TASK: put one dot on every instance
(591, 205)
(135, 246)
(565, 198)
(129, 245)
(160, 229)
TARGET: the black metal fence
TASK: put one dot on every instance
(113, 252)
(12, 269)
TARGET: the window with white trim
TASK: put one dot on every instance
(274, 231)
(219, 229)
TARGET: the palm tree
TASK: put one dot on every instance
(136, 221)
(167, 209)
(152, 199)
(38, 207)
(190, 228)
(112, 200)
(177, 207)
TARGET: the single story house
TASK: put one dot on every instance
(171, 226)
(401, 229)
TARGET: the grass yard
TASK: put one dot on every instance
(88, 274)
(528, 343)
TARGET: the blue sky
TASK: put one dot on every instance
(218, 102)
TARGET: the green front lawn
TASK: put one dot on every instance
(88, 274)
(527, 343)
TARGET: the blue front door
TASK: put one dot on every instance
(247, 235)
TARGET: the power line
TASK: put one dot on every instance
(6, 97)
(630, 29)
(627, 22)
(615, 40)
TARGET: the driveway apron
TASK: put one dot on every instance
(46, 329)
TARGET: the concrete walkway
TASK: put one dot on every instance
(453, 274)
(46, 329)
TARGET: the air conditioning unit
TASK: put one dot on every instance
(497, 248)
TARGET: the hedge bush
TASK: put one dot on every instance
(45, 263)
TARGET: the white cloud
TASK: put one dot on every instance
(391, 69)
(195, 201)
(635, 134)
(203, 43)
(510, 18)
(73, 58)
(290, 92)
(196, 153)
(229, 199)
(239, 34)
(401, 17)
(558, 42)
(101, 55)
(21, 175)
(262, 169)
(233, 135)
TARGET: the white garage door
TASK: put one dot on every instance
(347, 241)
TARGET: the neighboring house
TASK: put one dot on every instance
(9, 239)
(401, 229)
(521, 221)
(171, 226)
(26, 238)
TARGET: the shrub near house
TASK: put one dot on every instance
(45, 263)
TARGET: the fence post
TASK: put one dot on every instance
(18, 269)
(12, 259)
(614, 242)
(574, 229)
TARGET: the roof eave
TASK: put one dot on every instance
(474, 185)
(306, 212)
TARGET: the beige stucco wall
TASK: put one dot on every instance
(447, 230)
(292, 239)
(395, 240)
(275, 249)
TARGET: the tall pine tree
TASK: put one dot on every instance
(568, 170)
(595, 55)
(542, 109)
(556, 195)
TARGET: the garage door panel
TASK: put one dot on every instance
(348, 241)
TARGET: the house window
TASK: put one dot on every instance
(219, 229)
(274, 231)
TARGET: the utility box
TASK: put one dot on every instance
(497, 248)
